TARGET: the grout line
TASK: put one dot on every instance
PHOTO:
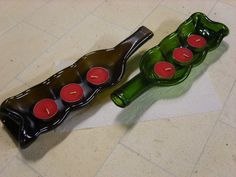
(125, 28)
(9, 29)
(140, 155)
(36, 10)
(158, 4)
(20, 21)
(2, 169)
(109, 155)
(40, 29)
(22, 160)
(223, 122)
(110, 22)
(48, 48)
(177, 11)
(210, 11)
(53, 43)
(97, 6)
(68, 30)
(23, 82)
(188, 14)
(227, 3)
(105, 20)
(212, 130)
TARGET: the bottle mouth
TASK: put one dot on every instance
(119, 99)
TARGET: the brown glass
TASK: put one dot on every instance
(17, 112)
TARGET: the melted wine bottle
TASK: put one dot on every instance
(170, 62)
(44, 106)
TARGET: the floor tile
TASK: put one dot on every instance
(219, 157)
(230, 2)
(8, 148)
(227, 62)
(30, 52)
(90, 35)
(18, 49)
(6, 22)
(162, 21)
(18, 168)
(229, 113)
(172, 143)
(14, 11)
(221, 83)
(77, 153)
(222, 71)
(128, 14)
(190, 6)
(125, 163)
(57, 17)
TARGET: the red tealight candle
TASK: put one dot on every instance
(45, 109)
(164, 70)
(196, 41)
(182, 55)
(71, 93)
(97, 75)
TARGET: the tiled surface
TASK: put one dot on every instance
(189, 7)
(227, 63)
(229, 114)
(12, 12)
(80, 153)
(20, 169)
(18, 48)
(126, 163)
(37, 34)
(219, 156)
(172, 143)
(8, 148)
(163, 26)
(127, 14)
(230, 2)
(57, 17)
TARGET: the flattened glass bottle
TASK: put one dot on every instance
(171, 61)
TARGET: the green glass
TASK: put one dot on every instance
(198, 23)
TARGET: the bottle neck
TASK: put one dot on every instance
(123, 96)
(134, 41)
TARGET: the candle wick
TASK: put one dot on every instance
(74, 92)
(167, 69)
(47, 110)
(185, 55)
(197, 40)
(94, 76)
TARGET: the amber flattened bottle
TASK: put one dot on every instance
(44, 106)
(170, 62)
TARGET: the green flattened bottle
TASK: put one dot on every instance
(171, 61)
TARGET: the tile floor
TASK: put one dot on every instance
(34, 34)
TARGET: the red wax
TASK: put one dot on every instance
(196, 41)
(97, 75)
(45, 109)
(164, 69)
(71, 93)
(182, 54)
